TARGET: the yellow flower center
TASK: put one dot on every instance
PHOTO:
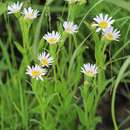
(103, 24)
(109, 36)
(69, 30)
(15, 10)
(90, 74)
(36, 73)
(44, 62)
(52, 40)
(29, 16)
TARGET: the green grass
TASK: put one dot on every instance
(65, 99)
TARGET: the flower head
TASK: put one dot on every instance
(52, 38)
(102, 22)
(110, 34)
(36, 72)
(45, 59)
(15, 8)
(30, 14)
(89, 70)
(70, 27)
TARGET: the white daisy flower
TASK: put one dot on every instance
(72, 1)
(111, 34)
(45, 59)
(30, 14)
(15, 8)
(70, 27)
(89, 70)
(36, 72)
(102, 22)
(52, 38)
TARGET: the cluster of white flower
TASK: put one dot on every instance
(54, 37)
(37, 71)
(45, 59)
(28, 13)
(104, 23)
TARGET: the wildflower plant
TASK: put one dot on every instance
(56, 79)
(90, 96)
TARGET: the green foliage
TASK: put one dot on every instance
(64, 100)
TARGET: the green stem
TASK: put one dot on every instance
(39, 99)
(53, 49)
(23, 108)
(25, 27)
(122, 70)
(100, 62)
(113, 108)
